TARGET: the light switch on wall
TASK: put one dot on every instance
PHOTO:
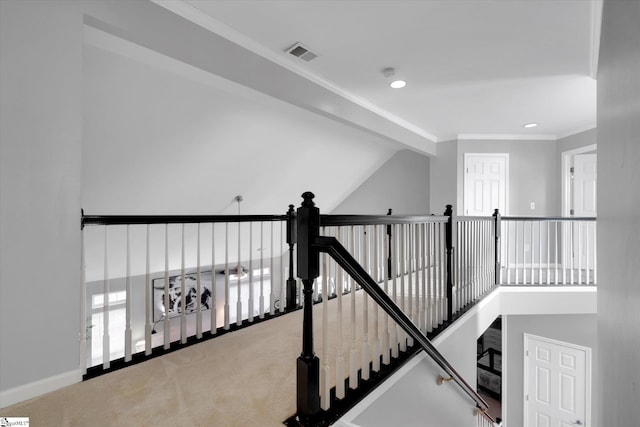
(532, 206)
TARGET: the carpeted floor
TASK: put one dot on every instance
(245, 378)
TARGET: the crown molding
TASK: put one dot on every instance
(507, 136)
(596, 24)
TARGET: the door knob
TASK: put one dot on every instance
(578, 423)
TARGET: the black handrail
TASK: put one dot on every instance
(174, 219)
(549, 218)
(341, 255)
(342, 220)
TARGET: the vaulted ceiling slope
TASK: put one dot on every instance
(163, 137)
(473, 68)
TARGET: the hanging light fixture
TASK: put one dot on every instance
(237, 272)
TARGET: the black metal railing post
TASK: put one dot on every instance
(308, 364)
(449, 241)
(497, 218)
(389, 257)
(291, 241)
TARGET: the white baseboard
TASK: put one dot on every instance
(38, 388)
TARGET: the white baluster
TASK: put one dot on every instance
(83, 307)
(106, 352)
(262, 271)
(167, 325)
(508, 251)
(386, 343)
(410, 290)
(214, 288)
(148, 306)
(394, 337)
(517, 267)
(251, 299)
(429, 267)
(555, 250)
(586, 247)
(441, 267)
(239, 279)
(375, 351)
(272, 295)
(183, 294)
(366, 351)
(548, 278)
(127, 330)
(423, 268)
(595, 253)
(340, 368)
(226, 276)
(579, 227)
(353, 354)
(198, 290)
(324, 370)
(571, 249)
(403, 273)
(283, 297)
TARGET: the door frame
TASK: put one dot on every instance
(565, 175)
(506, 178)
(587, 380)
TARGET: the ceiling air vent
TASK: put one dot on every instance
(300, 51)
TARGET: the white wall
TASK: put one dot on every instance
(619, 214)
(163, 137)
(401, 184)
(40, 135)
(580, 329)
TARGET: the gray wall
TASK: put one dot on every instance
(580, 329)
(578, 140)
(402, 184)
(619, 214)
(444, 176)
(41, 116)
(416, 399)
(533, 175)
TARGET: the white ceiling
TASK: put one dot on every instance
(475, 69)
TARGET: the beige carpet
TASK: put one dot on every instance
(244, 378)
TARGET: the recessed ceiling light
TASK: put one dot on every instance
(530, 125)
(398, 84)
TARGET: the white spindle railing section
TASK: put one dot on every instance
(358, 339)
(145, 285)
(474, 259)
(548, 251)
(485, 420)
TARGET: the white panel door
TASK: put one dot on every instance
(584, 184)
(556, 381)
(584, 205)
(485, 183)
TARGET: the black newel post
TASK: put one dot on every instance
(389, 257)
(308, 365)
(449, 241)
(291, 240)
(497, 218)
